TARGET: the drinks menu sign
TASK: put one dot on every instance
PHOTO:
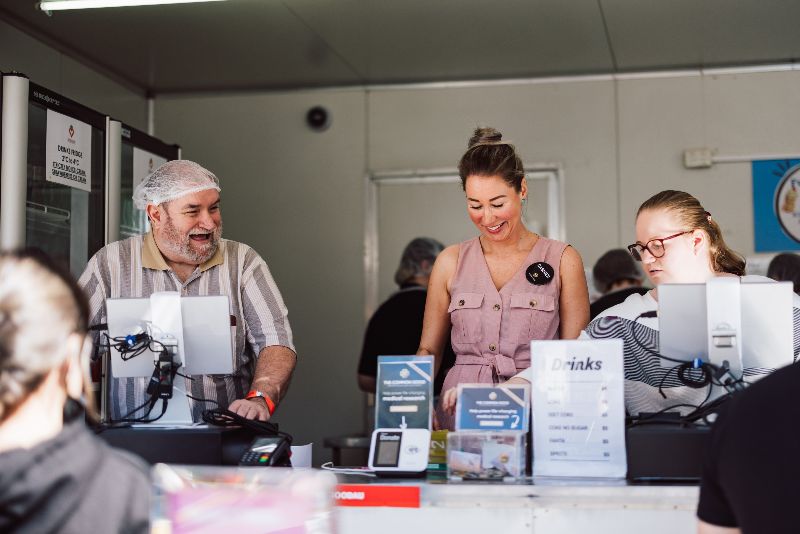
(578, 409)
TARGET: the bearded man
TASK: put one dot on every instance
(185, 252)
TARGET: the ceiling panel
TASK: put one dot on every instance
(653, 34)
(419, 40)
(240, 44)
(751, 32)
(278, 44)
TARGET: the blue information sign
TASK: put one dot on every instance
(776, 209)
(404, 393)
(484, 407)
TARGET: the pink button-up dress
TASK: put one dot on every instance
(491, 330)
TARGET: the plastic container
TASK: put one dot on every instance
(482, 455)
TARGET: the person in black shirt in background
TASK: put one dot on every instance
(616, 277)
(752, 464)
(396, 326)
(785, 268)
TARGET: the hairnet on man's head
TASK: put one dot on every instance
(417, 259)
(172, 180)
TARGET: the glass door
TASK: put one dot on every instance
(141, 155)
(65, 200)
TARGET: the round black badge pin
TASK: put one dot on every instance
(539, 273)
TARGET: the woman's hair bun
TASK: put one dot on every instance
(483, 136)
(488, 155)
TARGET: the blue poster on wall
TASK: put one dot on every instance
(776, 207)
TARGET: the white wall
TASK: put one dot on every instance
(571, 124)
(297, 196)
(737, 114)
(58, 72)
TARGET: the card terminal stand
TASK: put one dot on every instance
(267, 451)
(399, 451)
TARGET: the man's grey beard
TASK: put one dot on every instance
(181, 245)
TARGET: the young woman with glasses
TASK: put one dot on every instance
(677, 241)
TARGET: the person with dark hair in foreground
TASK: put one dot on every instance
(751, 468)
(55, 475)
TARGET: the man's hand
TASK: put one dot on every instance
(273, 371)
(255, 408)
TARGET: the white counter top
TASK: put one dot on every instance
(544, 506)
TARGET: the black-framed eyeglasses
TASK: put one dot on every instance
(655, 247)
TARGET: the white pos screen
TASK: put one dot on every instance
(387, 449)
(399, 450)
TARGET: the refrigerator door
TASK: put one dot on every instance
(141, 155)
(65, 201)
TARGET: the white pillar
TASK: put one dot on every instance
(14, 161)
(113, 178)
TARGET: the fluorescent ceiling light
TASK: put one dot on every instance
(62, 5)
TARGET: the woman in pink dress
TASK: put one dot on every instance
(495, 293)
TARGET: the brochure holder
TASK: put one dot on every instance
(493, 407)
(482, 455)
(404, 393)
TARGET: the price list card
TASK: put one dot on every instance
(578, 409)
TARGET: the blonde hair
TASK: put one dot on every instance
(40, 307)
(692, 215)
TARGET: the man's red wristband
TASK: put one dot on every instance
(255, 393)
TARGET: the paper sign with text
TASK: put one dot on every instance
(404, 392)
(578, 408)
(489, 407)
(68, 151)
